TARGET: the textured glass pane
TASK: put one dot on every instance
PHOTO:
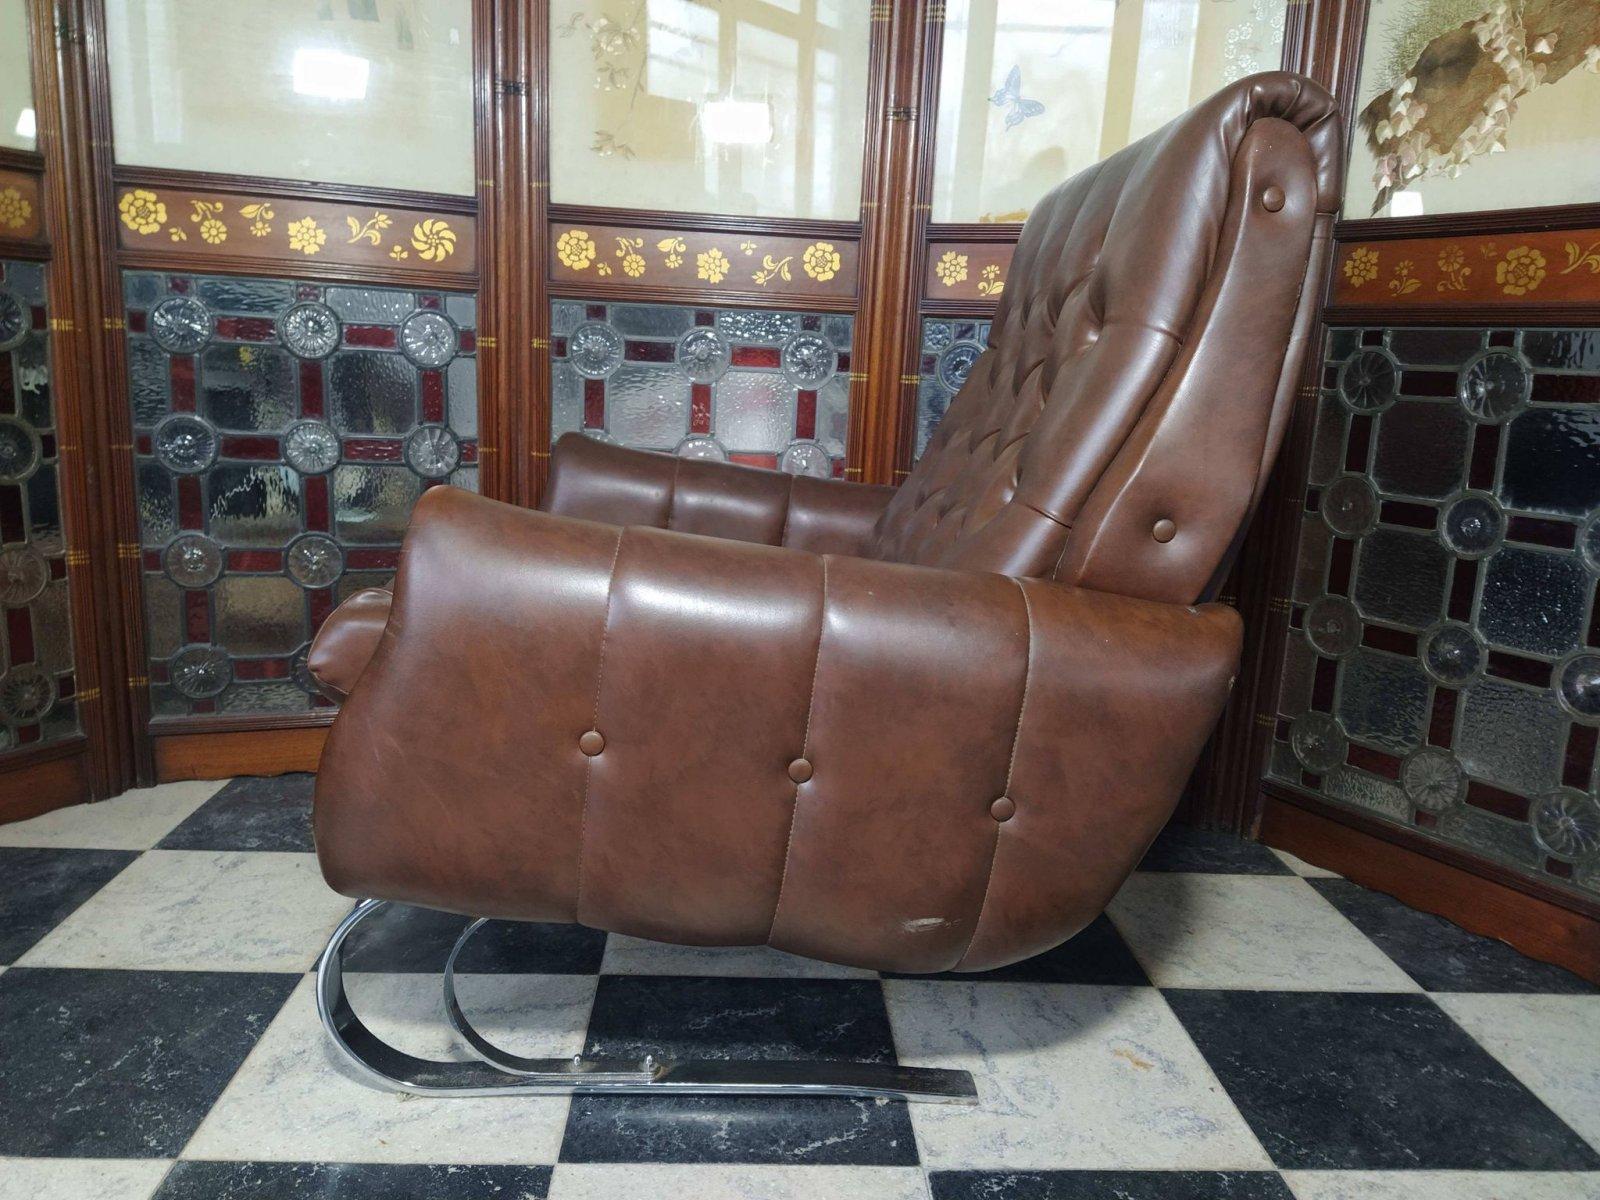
(31, 363)
(148, 381)
(648, 407)
(754, 412)
(163, 614)
(1327, 445)
(260, 614)
(461, 382)
(1030, 93)
(1422, 449)
(18, 126)
(566, 400)
(1299, 671)
(230, 295)
(141, 289)
(1534, 600)
(1511, 736)
(1311, 564)
(1383, 700)
(52, 628)
(372, 393)
(743, 106)
(247, 387)
(1369, 792)
(373, 504)
(45, 530)
(1401, 577)
(1562, 349)
(374, 306)
(651, 320)
(357, 92)
(1553, 461)
(463, 310)
(1495, 837)
(769, 328)
(565, 317)
(158, 507)
(1435, 347)
(273, 697)
(252, 505)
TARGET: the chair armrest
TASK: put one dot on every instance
(596, 481)
(716, 743)
(347, 640)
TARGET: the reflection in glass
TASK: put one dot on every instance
(745, 107)
(18, 124)
(377, 92)
(1033, 91)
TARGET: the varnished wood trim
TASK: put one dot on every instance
(222, 755)
(999, 232)
(794, 227)
(1501, 221)
(1505, 272)
(1519, 316)
(1550, 928)
(350, 195)
(50, 778)
(973, 272)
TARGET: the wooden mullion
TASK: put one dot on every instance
(533, 432)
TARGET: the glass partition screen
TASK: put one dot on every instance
(17, 124)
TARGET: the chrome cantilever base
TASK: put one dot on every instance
(499, 1073)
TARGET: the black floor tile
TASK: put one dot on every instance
(1108, 1185)
(739, 1018)
(350, 1181)
(1182, 848)
(260, 813)
(250, 814)
(122, 1064)
(404, 938)
(1371, 1081)
(1442, 956)
(40, 888)
(1097, 955)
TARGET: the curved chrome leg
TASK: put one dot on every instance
(500, 1073)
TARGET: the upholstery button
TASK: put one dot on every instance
(592, 742)
(1272, 199)
(1003, 809)
(1165, 530)
(800, 770)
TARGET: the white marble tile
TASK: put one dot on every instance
(1302, 868)
(1550, 1043)
(200, 910)
(135, 820)
(296, 1099)
(1069, 1077)
(80, 1178)
(698, 1181)
(1443, 1185)
(636, 956)
(1248, 932)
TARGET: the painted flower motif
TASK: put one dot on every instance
(433, 240)
(672, 248)
(1520, 271)
(633, 265)
(307, 236)
(602, 268)
(1361, 267)
(951, 268)
(821, 261)
(1453, 270)
(260, 228)
(1404, 282)
(14, 209)
(711, 266)
(575, 249)
(213, 232)
(990, 283)
(748, 247)
(260, 216)
(399, 252)
(142, 211)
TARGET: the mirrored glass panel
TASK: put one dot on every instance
(375, 92)
(1443, 664)
(282, 432)
(1033, 91)
(745, 107)
(18, 126)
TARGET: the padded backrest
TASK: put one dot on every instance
(1119, 428)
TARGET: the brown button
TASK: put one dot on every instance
(1164, 530)
(592, 742)
(800, 770)
(1272, 199)
(1003, 809)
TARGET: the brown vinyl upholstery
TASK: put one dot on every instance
(918, 730)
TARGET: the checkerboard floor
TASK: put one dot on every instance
(1239, 1026)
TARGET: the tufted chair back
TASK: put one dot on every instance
(1120, 427)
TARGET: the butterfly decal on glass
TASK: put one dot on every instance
(1010, 98)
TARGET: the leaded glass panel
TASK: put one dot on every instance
(949, 348)
(38, 689)
(1455, 508)
(278, 454)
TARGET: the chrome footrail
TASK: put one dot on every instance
(501, 1073)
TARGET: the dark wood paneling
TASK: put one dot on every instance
(52, 778)
(967, 272)
(1482, 272)
(242, 752)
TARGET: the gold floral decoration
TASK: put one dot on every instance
(772, 268)
(14, 209)
(1404, 282)
(208, 215)
(989, 281)
(213, 232)
(633, 263)
(433, 240)
(370, 230)
(177, 234)
(306, 236)
(1520, 271)
(748, 247)
(1361, 267)
(398, 252)
(1577, 257)
(672, 248)
(575, 249)
(821, 261)
(951, 268)
(602, 268)
(1454, 270)
(142, 211)
(711, 266)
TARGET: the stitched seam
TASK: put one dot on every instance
(1016, 742)
(594, 723)
(672, 492)
(788, 510)
(805, 749)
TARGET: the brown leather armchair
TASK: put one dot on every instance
(918, 729)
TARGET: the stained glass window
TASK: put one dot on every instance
(282, 432)
(18, 124)
(1443, 666)
(37, 687)
(949, 348)
(752, 386)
